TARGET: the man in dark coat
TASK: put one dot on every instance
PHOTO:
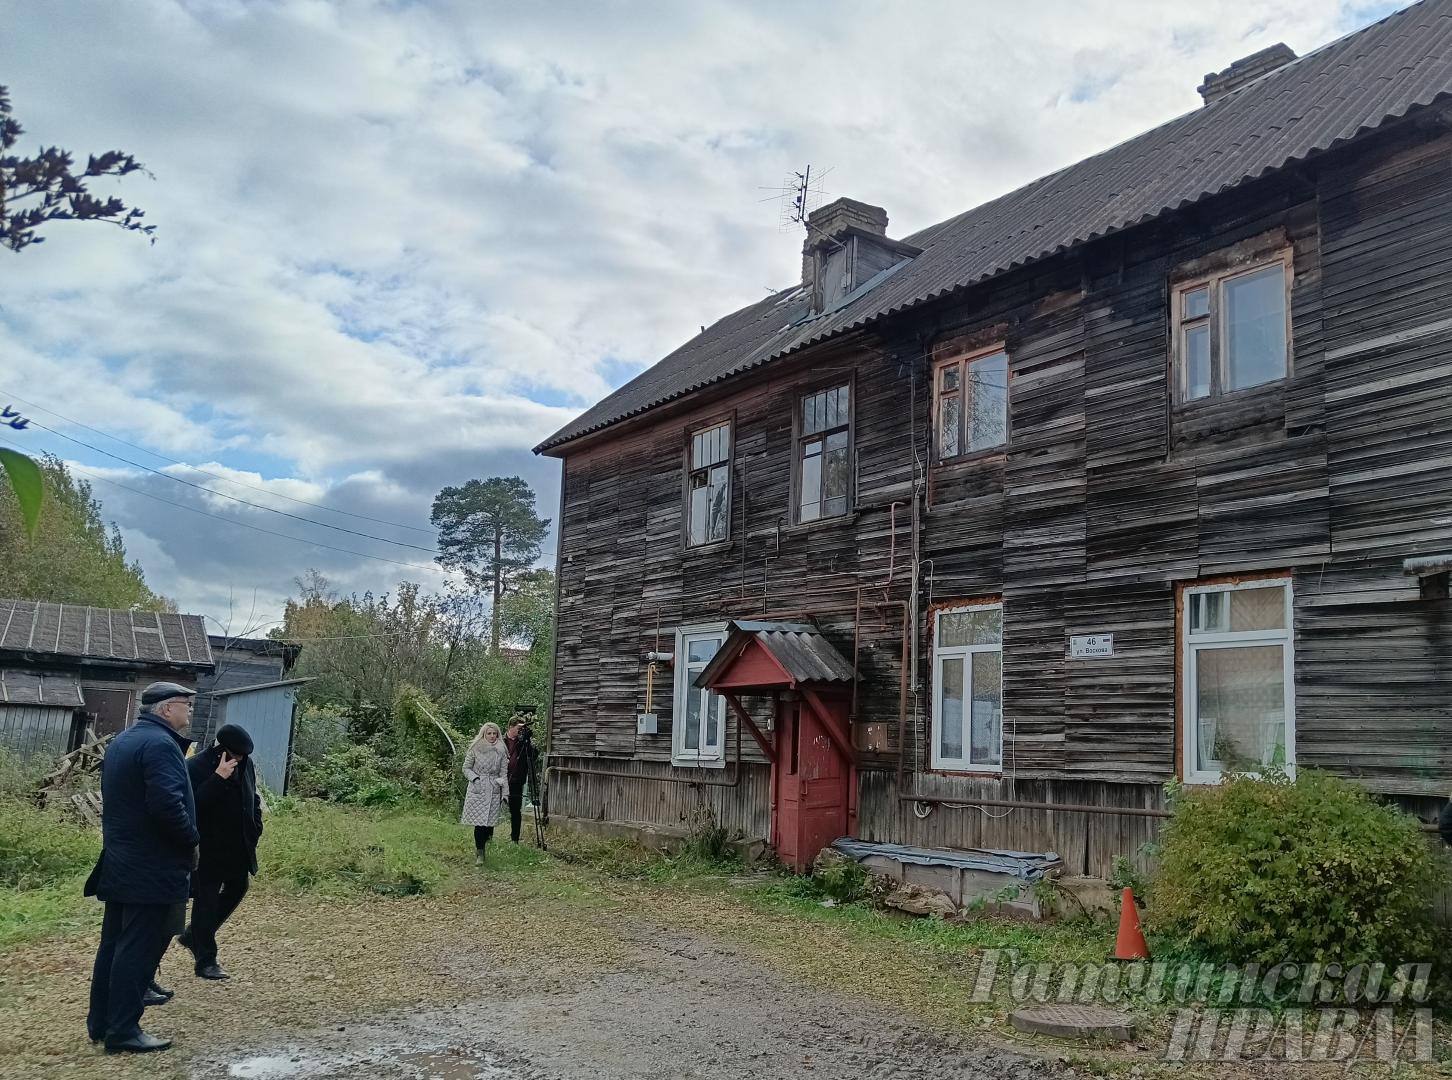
(148, 847)
(522, 759)
(229, 817)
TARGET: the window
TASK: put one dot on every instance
(972, 404)
(699, 731)
(968, 688)
(1239, 699)
(1231, 331)
(708, 486)
(824, 454)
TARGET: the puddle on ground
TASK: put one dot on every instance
(450, 1063)
(269, 1068)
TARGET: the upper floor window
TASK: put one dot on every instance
(824, 454)
(1239, 691)
(972, 395)
(968, 688)
(708, 486)
(1231, 330)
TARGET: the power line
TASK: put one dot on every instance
(233, 498)
(254, 528)
(204, 472)
(266, 532)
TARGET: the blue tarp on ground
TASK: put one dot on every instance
(1024, 865)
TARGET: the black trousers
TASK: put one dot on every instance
(516, 807)
(133, 939)
(482, 835)
(214, 899)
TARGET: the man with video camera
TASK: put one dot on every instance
(523, 761)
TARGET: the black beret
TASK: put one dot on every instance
(234, 739)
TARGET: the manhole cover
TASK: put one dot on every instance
(1074, 1022)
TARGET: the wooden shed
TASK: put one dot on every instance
(69, 667)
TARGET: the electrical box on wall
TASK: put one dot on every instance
(645, 723)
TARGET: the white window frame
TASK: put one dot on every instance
(692, 469)
(685, 674)
(1285, 637)
(965, 763)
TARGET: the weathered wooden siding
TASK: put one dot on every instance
(1088, 843)
(35, 730)
(1374, 660)
(1107, 498)
(632, 798)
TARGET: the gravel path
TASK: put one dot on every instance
(677, 1007)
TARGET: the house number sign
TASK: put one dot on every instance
(1091, 646)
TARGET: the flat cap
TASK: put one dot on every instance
(158, 692)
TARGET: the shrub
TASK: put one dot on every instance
(358, 775)
(319, 731)
(41, 847)
(1271, 870)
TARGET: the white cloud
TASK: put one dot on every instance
(400, 243)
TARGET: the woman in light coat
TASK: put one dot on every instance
(486, 767)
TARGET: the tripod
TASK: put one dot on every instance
(531, 757)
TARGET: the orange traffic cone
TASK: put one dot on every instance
(1130, 945)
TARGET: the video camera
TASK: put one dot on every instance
(524, 715)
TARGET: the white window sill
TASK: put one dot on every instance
(698, 763)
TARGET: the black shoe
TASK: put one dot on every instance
(211, 971)
(137, 1044)
(151, 999)
(157, 988)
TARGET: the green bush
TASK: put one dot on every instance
(41, 847)
(319, 731)
(1271, 870)
(358, 775)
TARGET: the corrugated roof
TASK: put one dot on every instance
(90, 633)
(798, 648)
(40, 688)
(1349, 87)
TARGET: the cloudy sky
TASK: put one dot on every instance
(401, 242)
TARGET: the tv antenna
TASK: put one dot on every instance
(800, 194)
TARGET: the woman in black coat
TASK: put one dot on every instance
(229, 819)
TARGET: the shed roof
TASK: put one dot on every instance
(799, 649)
(40, 688)
(1349, 87)
(260, 686)
(91, 633)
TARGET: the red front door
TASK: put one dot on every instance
(812, 787)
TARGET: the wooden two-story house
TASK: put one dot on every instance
(978, 537)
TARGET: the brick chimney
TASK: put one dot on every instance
(1219, 84)
(833, 220)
